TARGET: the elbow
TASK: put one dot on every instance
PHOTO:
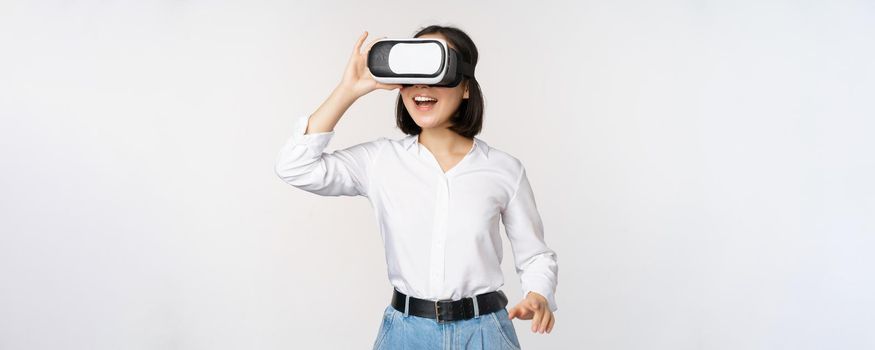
(283, 170)
(295, 170)
(280, 171)
(293, 174)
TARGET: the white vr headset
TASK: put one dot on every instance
(417, 61)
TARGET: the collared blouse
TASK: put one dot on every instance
(440, 229)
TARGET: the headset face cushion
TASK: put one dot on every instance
(414, 61)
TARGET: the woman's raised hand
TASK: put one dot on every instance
(357, 79)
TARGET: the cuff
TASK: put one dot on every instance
(315, 141)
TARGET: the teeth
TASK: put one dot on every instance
(424, 98)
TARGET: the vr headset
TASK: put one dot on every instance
(417, 61)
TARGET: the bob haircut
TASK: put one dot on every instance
(468, 118)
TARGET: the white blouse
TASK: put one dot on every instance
(440, 230)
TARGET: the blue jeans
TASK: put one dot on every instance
(407, 332)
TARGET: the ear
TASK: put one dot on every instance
(465, 96)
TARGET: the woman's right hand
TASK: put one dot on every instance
(357, 79)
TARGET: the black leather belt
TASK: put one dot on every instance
(450, 310)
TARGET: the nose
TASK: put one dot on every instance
(418, 86)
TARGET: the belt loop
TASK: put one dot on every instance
(476, 307)
(406, 305)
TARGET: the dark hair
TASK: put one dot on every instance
(468, 118)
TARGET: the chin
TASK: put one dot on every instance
(426, 121)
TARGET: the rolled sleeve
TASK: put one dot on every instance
(303, 163)
(535, 263)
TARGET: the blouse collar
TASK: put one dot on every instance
(479, 144)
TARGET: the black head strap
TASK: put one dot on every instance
(467, 69)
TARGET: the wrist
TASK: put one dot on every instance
(345, 93)
(536, 295)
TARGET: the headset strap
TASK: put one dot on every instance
(466, 68)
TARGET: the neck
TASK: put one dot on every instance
(444, 141)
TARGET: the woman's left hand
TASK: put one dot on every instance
(534, 307)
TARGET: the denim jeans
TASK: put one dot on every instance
(407, 332)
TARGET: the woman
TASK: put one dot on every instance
(438, 195)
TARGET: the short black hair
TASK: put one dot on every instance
(468, 118)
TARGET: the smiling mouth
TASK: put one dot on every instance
(424, 103)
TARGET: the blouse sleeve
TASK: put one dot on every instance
(303, 163)
(535, 263)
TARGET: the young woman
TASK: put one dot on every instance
(438, 194)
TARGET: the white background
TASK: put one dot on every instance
(704, 170)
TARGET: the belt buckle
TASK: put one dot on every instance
(437, 313)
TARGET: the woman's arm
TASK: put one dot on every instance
(302, 161)
(357, 81)
(535, 262)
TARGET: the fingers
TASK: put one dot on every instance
(536, 321)
(388, 86)
(552, 321)
(357, 50)
(358, 44)
(521, 312)
(373, 42)
(545, 321)
(540, 314)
